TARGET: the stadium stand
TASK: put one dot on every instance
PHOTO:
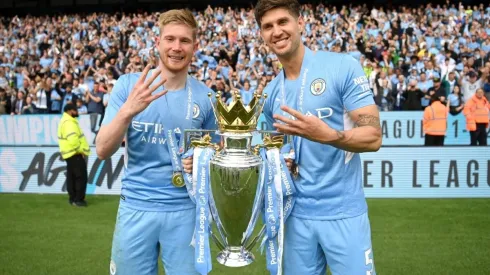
(49, 60)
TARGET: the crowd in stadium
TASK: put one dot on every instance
(407, 54)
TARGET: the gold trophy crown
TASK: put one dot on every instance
(237, 117)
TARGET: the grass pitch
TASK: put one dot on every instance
(42, 234)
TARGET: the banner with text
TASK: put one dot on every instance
(427, 172)
(389, 173)
(41, 129)
(42, 170)
(405, 128)
(399, 128)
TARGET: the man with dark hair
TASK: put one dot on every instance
(74, 149)
(438, 90)
(333, 119)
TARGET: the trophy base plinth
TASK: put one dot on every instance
(235, 257)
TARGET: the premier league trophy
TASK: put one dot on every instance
(235, 196)
(237, 185)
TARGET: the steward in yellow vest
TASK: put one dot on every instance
(74, 149)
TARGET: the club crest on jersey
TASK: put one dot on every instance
(318, 86)
(196, 111)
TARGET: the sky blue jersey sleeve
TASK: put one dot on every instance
(119, 95)
(355, 91)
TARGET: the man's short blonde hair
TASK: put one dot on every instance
(182, 16)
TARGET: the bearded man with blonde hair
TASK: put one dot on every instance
(151, 110)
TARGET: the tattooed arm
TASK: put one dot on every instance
(364, 137)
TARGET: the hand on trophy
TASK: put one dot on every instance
(187, 165)
(141, 95)
(289, 163)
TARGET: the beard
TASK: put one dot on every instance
(175, 66)
(288, 51)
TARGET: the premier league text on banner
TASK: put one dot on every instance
(39, 129)
(405, 128)
(416, 172)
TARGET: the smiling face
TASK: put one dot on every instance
(177, 42)
(281, 31)
(176, 46)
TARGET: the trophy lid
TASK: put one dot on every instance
(236, 116)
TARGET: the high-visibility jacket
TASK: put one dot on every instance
(71, 139)
(476, 111)
(435, 119)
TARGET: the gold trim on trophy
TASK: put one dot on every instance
(237, 117)
(276, 141)
(205, 141)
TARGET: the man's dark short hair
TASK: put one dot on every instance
(472, 74)
(264, 6)
(70, 107)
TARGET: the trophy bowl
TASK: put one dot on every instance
(235, 192)
(234, 178)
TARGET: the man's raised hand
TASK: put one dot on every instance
(142, 94)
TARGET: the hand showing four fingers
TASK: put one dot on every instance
(142, 94)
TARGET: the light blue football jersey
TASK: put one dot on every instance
(329, 184)
(146, 183)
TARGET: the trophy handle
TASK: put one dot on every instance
(188, 132)
(258, 237)
(188, 136)
(216, 220)
(216, 240)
